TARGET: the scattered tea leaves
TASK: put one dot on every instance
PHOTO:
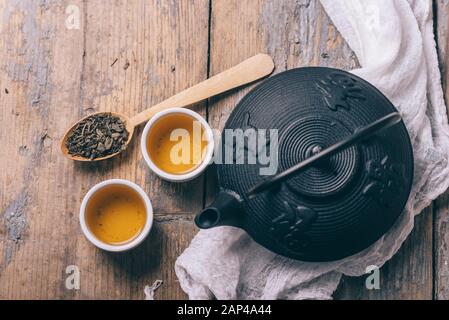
(97, 136)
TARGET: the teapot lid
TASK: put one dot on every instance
(338, 206)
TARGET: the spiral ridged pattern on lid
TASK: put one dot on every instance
(307, 137)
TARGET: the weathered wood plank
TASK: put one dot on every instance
(126, 56)
(441, 205)
(299, 33)
(40, 79)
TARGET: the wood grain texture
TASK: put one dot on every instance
(126, 56)
(441, 205)
(38, 221)
(247, 71)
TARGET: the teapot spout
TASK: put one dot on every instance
(224, 211)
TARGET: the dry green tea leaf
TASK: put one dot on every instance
(97, 136)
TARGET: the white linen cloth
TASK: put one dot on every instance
(394, 42)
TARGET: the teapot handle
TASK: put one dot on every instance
(359, 135)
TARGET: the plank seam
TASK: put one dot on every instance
(209, 47)
(83, 60)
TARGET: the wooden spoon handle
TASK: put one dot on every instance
(245, 72)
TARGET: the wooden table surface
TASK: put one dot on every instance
(125, 57)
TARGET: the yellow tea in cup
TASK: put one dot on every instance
(176, 144)
(116, 214)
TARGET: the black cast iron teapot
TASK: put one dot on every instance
(345, 166)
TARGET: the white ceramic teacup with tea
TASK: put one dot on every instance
(177, 144)
(116, 215)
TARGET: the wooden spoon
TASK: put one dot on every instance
(245, 72)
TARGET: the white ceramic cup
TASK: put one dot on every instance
(188, 175)
(132, 243)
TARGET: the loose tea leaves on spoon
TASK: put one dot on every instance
(97, 136)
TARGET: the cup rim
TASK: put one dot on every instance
(185, 176)
(130, 244)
